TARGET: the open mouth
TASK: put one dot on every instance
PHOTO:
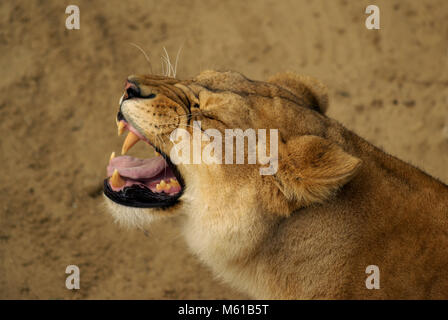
(142, 183)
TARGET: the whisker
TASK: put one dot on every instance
(186, 115)
(160, 143)
(181, 116)
(168, 70)
(144, 53)
(163, 67)
(170, 67)
(177, 59)
(176, 125)
(186, 125)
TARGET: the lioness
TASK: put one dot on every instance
(335, 205)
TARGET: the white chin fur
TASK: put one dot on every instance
(130, 217)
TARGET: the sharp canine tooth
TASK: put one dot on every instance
(158, 187)
(130, 140)
(112, 155)
(121, 126)
(116, 180)
(162, 183)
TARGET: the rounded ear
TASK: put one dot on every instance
(311, 90)
(312, 169)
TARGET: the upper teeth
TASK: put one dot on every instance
(131, 139)
(121, 126)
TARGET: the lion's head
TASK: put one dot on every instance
(310, 167)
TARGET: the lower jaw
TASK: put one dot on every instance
(140, 197)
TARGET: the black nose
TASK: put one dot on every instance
(131, 91)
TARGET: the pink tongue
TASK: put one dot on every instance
(135, 168)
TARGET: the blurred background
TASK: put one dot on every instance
(59, 92)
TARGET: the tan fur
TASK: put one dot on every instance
(336, 205)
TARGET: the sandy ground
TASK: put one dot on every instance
(59, 92)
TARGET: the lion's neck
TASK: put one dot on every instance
(227, 240)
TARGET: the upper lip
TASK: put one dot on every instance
(120, 116)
